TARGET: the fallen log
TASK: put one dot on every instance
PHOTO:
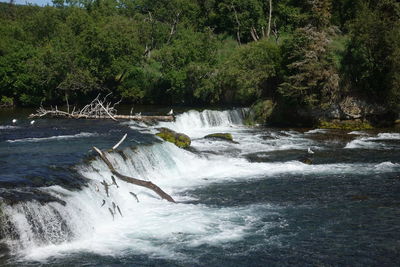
(63, 114)
(145, 118)
(97, 109)
(134, 181)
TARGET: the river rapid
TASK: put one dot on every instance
(246, 203)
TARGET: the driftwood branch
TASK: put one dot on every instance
(131, 180)
(97, 109)
(120, 142)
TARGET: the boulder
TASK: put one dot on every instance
(397, 123)
(359, 197)
(353, 125)
(260, 112)
(221, 136)
(306, 160)
(179, 139)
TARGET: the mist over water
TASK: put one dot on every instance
(248, 203)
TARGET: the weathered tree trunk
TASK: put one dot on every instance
(238, 25)
(97, 109)
(254, 34)
(135, 181)
(60, 114)
(269, 19)
(173, 27)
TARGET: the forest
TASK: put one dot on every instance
(297, 60)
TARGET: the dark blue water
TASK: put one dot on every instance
(343, 210)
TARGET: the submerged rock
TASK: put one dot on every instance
(179, 139)
(346, 125)
(222, 136)
(397, 123)
(306, 160)
(359, 197)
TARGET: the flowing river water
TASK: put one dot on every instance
(248, 203)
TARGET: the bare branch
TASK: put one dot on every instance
(120, 142)
(97, 109)
(132, 180)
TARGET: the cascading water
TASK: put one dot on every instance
(195, 123)
(114, 223)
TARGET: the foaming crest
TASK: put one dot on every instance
(374, 142)
(193, 121)
(83, 224)
(53, 229)
(316, 131)
(57, 137)
(8, 127)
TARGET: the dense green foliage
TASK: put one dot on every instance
(308, 54)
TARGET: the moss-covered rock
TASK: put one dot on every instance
(397, 123)
(222, 136)
(345, 125)
(179, 139)
(260, 112)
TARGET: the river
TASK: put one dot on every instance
(248, 203)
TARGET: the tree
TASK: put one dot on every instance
(311, 77)
(371, 64)
(250, 72)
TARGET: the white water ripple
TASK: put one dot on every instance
(8, 127)
(373, 142)
(57, 137)
(155, 227)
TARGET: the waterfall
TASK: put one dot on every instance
(38, 230)
(195, 122)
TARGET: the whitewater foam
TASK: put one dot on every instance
(198, 124)
(315, 131)
(51, 138)
(387, 166)
(373, 142)
(155, 227)
(8, 127)
(358, 133)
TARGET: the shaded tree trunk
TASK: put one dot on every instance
(237, 25)
(269, 19)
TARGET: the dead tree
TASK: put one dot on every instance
(173, 27)
(237, 24)
(97, 109)
(269, 19)
(254, 34)
(132, 180)
(275, 31)
(149, 48)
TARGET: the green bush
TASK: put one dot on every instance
(6, 101)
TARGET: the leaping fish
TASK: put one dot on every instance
(104, 202)
(135, 196)
(114, 206)
(105, 187)
(112, 214)
(114, 182)
(119, 211)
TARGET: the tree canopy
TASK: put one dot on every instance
(309, 52)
